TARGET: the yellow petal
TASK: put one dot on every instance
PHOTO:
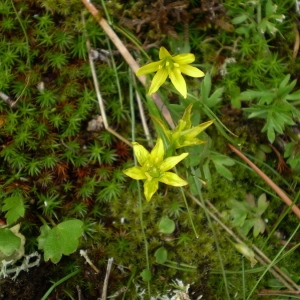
(158, 152)
(191, 71)
(158, 80)
(149, 68)
(172, 161)
(194, 131)
(163, 53)
(150, 187)
(178, 81)
(185, 58)
(173, 179)
(141, 153)
(135, 173)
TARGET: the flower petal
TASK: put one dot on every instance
(191, 71)
(158, 80)
(186, 118)
(194, 131)
(158, 152)
(149, 68)
(142, 155)
(150, 187)
(173, 179)
(190, 142)
(178, 81)
(172, 161)
(136, 173)
(163, 53)
(185, 58)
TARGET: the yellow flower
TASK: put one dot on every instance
(172, 67)
(184, 134)
(153, 168)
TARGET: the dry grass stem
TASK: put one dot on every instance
(269, 181)
(128, 57)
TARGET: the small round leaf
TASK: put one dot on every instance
(166, 225)
(161, 255)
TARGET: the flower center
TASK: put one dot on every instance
(169, 64)
(154, 172)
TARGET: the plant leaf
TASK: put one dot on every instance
(9, 242)
(166, 225)
(161, 255)
(62, 239)
(15, 208)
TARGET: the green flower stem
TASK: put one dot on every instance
(106, 13)
(126, 55)
(274, 262)
(44, 221)
(28, 51)
(188, 209)
(139, 193)
(258, 13)
(198, 186)
(181, 266)
(58, 283)
(116, 73)
(274, 227)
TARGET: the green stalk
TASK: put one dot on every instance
(188, 209)
(138, 185)
(273, 262)
(198, 186)
(116, 73)
(28, 49)
(243, 278)
(106, 13)
(55, 284)
(287, 211)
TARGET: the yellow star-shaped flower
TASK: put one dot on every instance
(153, 168)
(184, 134)
(172, 67)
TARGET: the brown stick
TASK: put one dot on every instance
(128, 57)
(269, 181)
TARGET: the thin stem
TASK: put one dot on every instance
(128, 57)
(259, 255)
(140, 195)
(273, 262)
(243, 278)
(28, 52)
(45, 297)
(99, 96)
(141, 111)
(208, 217)
(188, 210)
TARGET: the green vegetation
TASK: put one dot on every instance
(75, 120)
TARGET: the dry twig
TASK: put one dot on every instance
(269, 181)
(128, 57)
